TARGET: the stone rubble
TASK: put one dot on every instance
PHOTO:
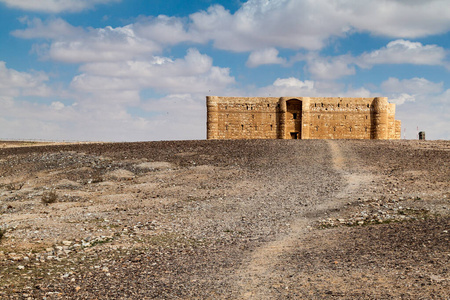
(226, 219)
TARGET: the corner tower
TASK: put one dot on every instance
(379, 117)
(212, 123)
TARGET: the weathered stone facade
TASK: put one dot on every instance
(301, 118)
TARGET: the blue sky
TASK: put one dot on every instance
(132, 70)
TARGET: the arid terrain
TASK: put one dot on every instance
(242, 219)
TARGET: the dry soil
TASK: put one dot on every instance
(261, 219)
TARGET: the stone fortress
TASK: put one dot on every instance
(301, 118)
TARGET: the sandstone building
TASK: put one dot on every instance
(301, 118)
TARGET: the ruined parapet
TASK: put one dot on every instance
(212, 123)
(379, 116)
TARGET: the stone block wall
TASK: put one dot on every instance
(341, 118)
(242, 118)
(301, 118)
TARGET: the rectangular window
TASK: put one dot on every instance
(294, 116)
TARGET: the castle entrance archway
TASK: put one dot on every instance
(293, 119)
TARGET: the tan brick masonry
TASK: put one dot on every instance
(301, 118)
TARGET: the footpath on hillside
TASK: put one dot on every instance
(384, 233)
(260, 276)
(263, 219)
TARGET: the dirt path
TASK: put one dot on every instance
(346, 166)
(259, 272)
(226, 220)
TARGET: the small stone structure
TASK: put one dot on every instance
(422, 135)
(301, 118)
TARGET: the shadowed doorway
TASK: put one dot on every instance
(293, 119)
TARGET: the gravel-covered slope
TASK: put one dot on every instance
(241, 219)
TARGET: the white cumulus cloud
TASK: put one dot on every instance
(194, 73)
(420, 103)
(290, 86)
(265, 24)
(258, 24)
(50, 29)
(293, 82)
(404, 52)
(118, 64)
(426, 112)
(55, 6)
(401, 98)
(266, 56)
(398, 18)
(414, 86)
(297, 24)
(330, 68)
(104, 44)
(77, 45)
(395, 52)
(166, 30)
(14, 83)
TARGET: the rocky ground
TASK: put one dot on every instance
(263, 219)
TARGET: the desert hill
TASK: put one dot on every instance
(242, 219)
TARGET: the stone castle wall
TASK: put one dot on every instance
(301, 118)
